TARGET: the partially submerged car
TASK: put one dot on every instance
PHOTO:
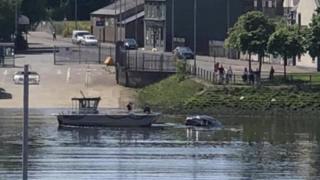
(203, 121)
(34, 77)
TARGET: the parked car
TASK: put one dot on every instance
(34, 77)
(77, 36)
(4, 94)
(130, 44)
(183, 52)
(89, 40)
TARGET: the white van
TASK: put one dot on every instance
(77, 36)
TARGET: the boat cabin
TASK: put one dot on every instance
(85, 105)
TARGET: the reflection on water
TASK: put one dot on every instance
(248, 148)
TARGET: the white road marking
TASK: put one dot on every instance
(68, 75)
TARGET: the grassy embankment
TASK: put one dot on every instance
(189, 96)
(65, 28)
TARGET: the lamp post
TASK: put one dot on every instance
(25, 149)
(172, 25)
(120, 17)
(115, 22)
(195, 35)
(76, 13)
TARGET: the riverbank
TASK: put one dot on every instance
(191, 96)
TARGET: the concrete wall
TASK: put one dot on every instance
(138, 79)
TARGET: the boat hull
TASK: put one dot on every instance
(105, 120)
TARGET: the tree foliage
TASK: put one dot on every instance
(35, 10)
(60, 9)
(286, 42)
(7, 19)
(313, 38)
(250, 34)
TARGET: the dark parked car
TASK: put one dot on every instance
(130, 44)
(4, 94)
(183, 52)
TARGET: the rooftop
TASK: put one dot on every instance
(116, 8)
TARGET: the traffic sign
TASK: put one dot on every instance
(100, 23)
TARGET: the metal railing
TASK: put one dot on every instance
(148, 61)
(254, 78)
(82, 54)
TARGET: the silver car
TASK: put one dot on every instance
(34, 77)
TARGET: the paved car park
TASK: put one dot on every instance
(59, 83)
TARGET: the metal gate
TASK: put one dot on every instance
(82, 54)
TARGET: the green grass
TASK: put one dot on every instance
(170, 95)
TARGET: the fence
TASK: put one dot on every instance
(82, 54)
(264, 79)
(147, 61)
(7, 54)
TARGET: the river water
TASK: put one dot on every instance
(247, 148)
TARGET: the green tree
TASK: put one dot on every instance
(35, 10)
(7, 19)
(286, 42)
(250, 35)
(313, 38)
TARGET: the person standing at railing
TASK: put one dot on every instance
(229, 75)
(245, 75)
(221, 74)
(216, 71)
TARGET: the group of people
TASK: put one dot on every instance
(146, 109)
(222, 76)
(254, 76)
(250, 76)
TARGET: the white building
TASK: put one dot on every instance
(304, 14)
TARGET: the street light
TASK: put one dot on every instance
(195, 35)
(172, 25)
(76, 13)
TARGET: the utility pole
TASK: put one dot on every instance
(195, 35)
(172, 25)
(136, 32)
(25, 148)
(136, 22)
(120, 36)
(115, 23)
(123, 25)
(76, 13)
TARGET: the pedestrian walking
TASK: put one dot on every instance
(271, 73)
(54, 37)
